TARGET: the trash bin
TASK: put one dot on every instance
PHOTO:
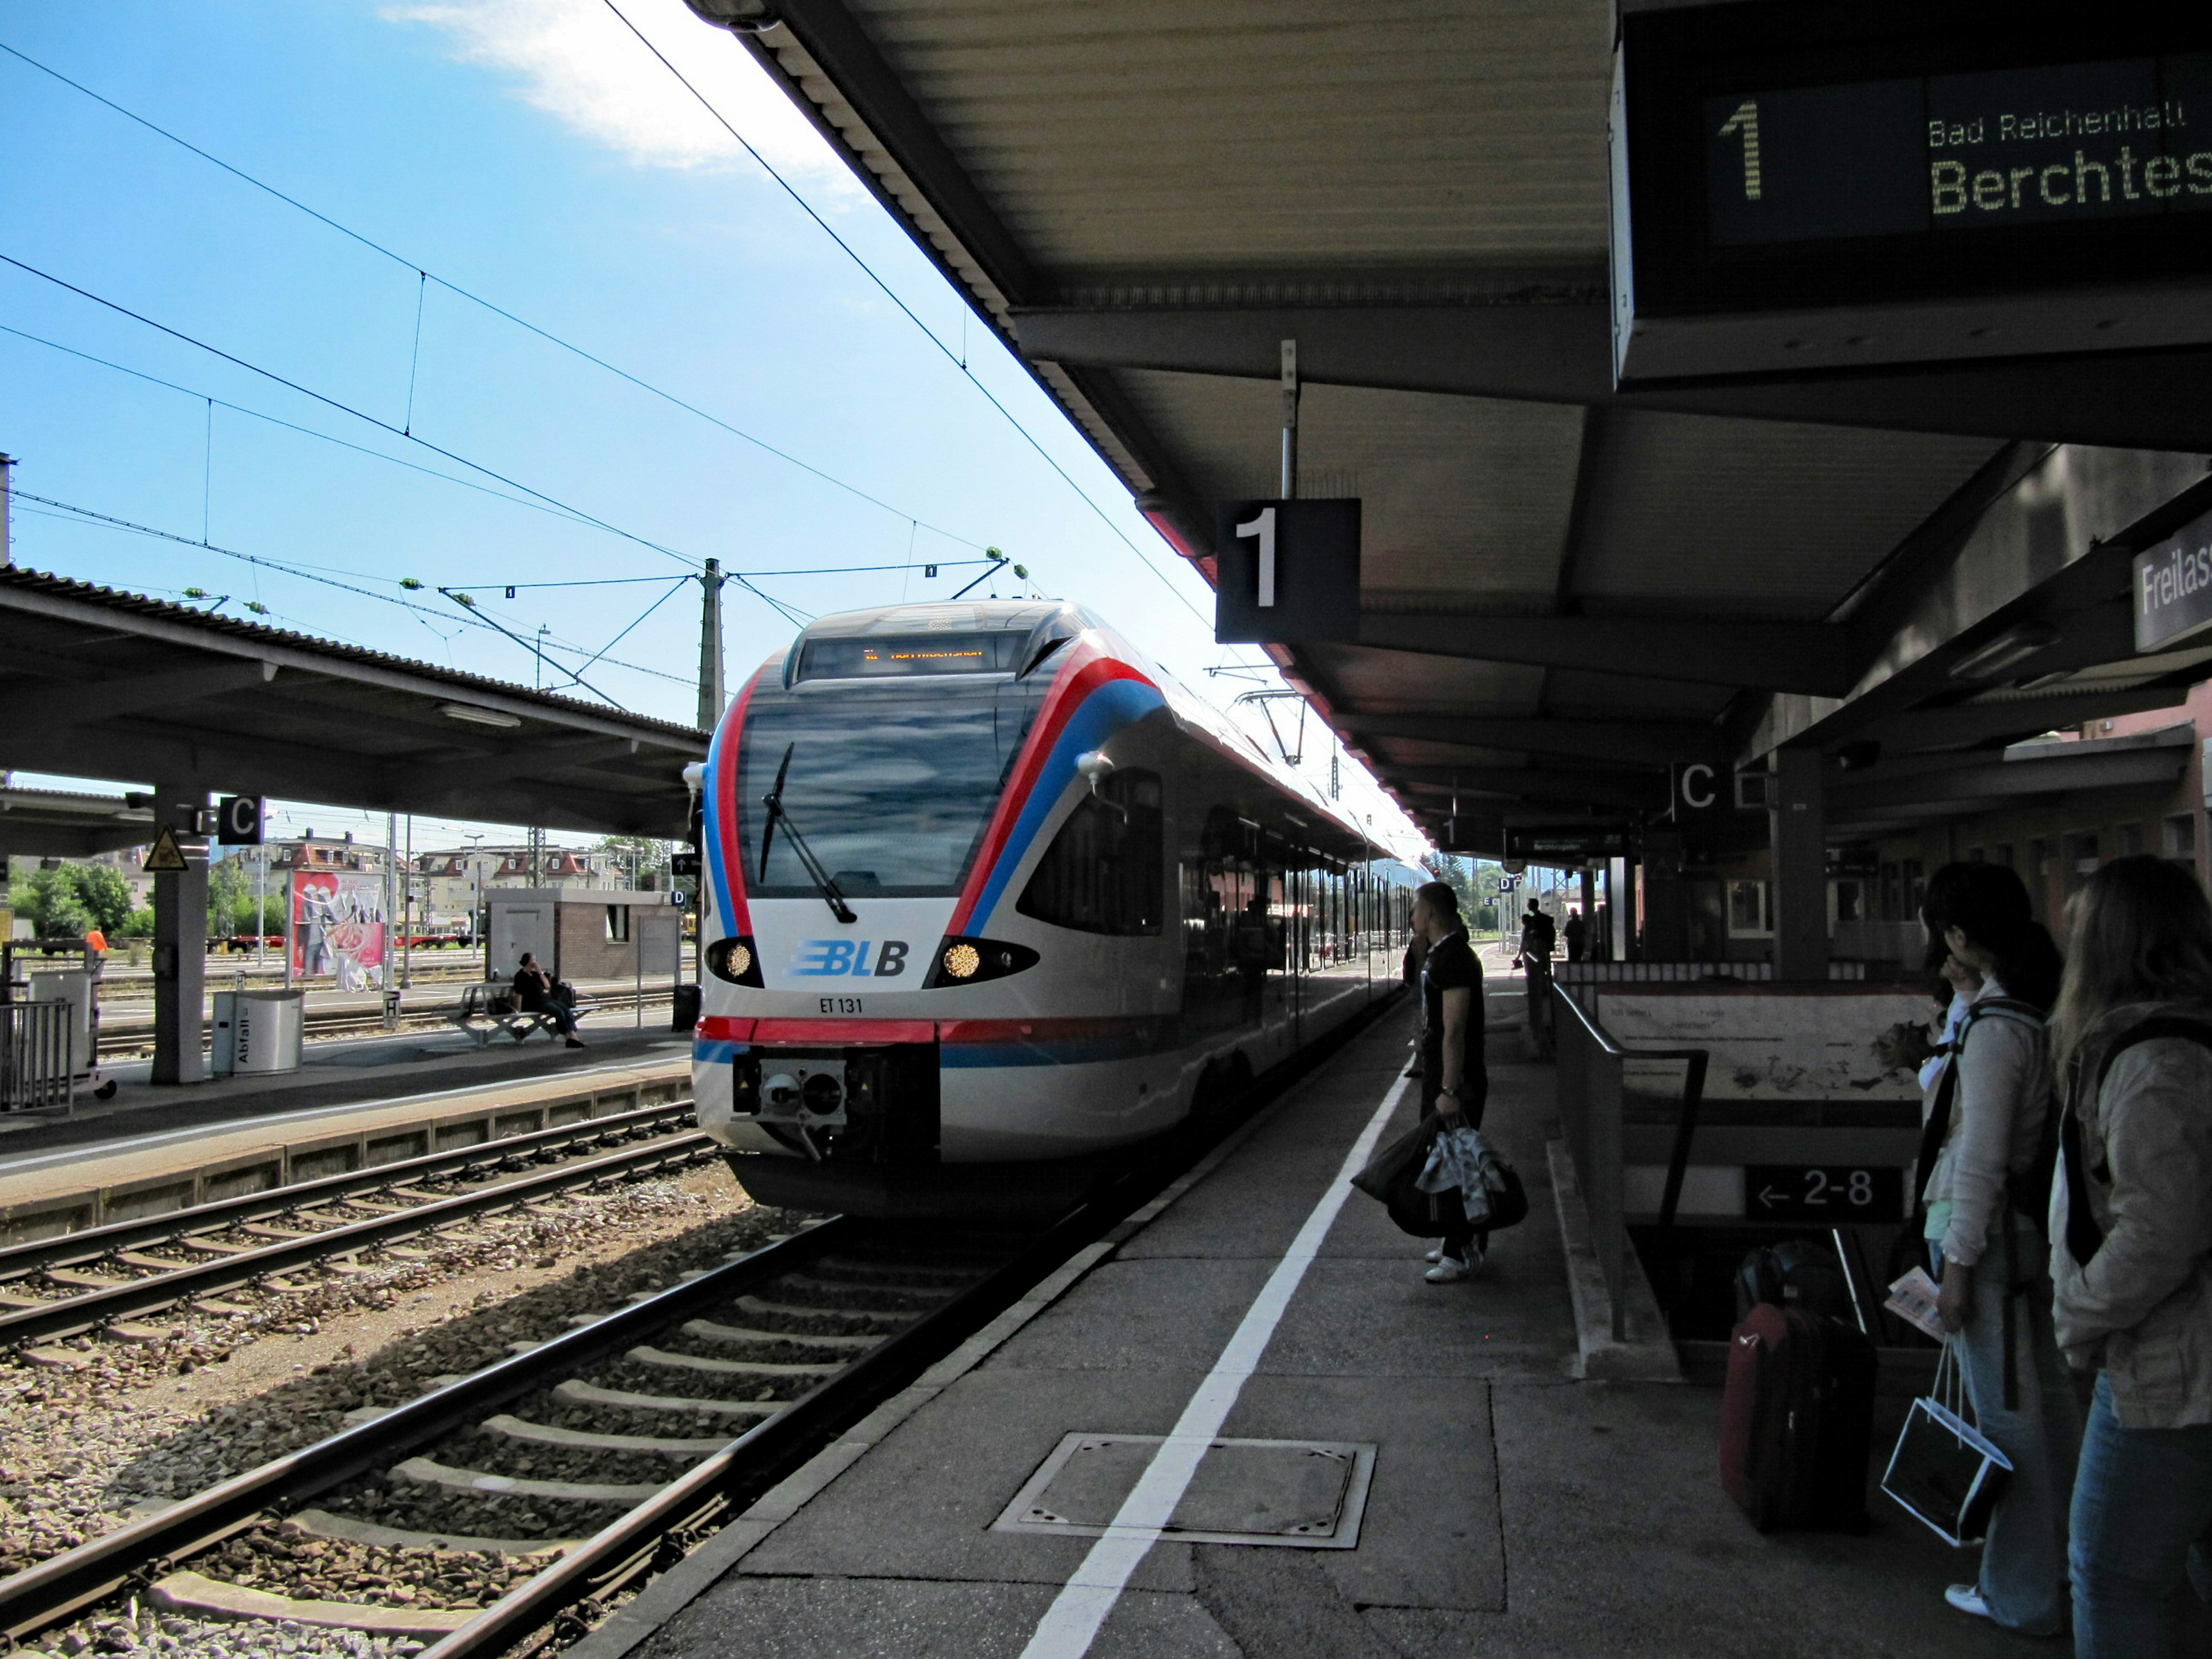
(270, 1026)
(686, 1009)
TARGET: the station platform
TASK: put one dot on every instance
(334, 1071)
(1511, 1509)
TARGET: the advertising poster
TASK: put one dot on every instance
(339, 927)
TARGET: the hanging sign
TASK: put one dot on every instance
(238, 820)
(1286, 572)
(2173, 586)
(165, 857)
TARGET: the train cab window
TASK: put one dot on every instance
(1103, 873)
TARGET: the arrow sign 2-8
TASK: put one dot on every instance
(1829, 1193)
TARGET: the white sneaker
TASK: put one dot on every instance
(1449, 1269)
(1967, 1598)
(1435, 1255)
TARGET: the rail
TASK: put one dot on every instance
(68, 1315)
(1591, 1064)
(38, 1056)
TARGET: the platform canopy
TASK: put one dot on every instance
(98, 683)
(1566, 587)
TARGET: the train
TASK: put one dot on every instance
(989, 901)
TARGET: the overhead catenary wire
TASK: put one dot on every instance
(425, 276)
(476, 614)
(386, 426)
(325, 398)
(562, 512)
(956, 359)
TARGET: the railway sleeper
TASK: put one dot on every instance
(574, 1393)
(192, 1593)
(714, 1332)
(756, 1304)
(867, 1287)
(667, 1360)
(426, 1471)
(321, 1523)
(844, 1269)
(546, 1434)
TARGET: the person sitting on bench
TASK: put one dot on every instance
(536, 993)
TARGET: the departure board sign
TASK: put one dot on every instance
(1961, 152)
(1885, 183)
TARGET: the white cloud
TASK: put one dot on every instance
(573, 59)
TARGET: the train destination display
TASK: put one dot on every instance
(1939, 154)
(1808, 187)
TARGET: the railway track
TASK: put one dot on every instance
(81, 1281)
(638, 1432)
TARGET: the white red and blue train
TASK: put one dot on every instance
(988, 899)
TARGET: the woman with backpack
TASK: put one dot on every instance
(2131, 1245)
(1986, 1175)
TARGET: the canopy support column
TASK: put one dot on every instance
(180, 939)
(1798, 830)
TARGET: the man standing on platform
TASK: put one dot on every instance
(1454, 1082)
(1538, 939)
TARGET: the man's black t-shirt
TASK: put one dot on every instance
(1450, 967)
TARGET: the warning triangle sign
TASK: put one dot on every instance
(166, 857)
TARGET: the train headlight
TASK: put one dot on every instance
(972, 961)
(735, 962)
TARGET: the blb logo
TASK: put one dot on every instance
(845, 958)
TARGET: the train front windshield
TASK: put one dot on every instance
(890, 786)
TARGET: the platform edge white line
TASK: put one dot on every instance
(1083, 1606)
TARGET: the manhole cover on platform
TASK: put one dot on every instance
(1308, 1494)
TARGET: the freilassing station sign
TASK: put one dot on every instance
(2173, 585)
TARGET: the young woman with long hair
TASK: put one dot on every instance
(1987, 1112)
(2131, 1244)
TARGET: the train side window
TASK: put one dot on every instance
(1103, 873)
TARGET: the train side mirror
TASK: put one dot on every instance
(1095, 767)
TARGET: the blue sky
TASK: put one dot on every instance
(534, 153)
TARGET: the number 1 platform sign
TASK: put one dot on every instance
(1287, 572)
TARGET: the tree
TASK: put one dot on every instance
(67, 902)
(637, 856)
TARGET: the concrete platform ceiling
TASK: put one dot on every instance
(1566, 587)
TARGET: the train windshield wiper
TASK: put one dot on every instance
(778, 813)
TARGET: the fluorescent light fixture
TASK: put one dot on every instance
(2015, 645)
(476, 716)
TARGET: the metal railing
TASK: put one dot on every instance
(1590, 1068)
(1673, 973)
(38, 1056)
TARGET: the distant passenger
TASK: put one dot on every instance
(536, 993)
(1987, 1193)
(1577, 934)
(1537, 940)
(2131, 1248)
(1455, 1083)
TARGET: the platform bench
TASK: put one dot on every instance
(487, 1010)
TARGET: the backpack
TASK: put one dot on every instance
(2021, 1191)
(2084, 1238)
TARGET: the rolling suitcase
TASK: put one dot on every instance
(1797, 1420)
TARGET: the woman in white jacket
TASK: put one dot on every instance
(1986, 1190)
